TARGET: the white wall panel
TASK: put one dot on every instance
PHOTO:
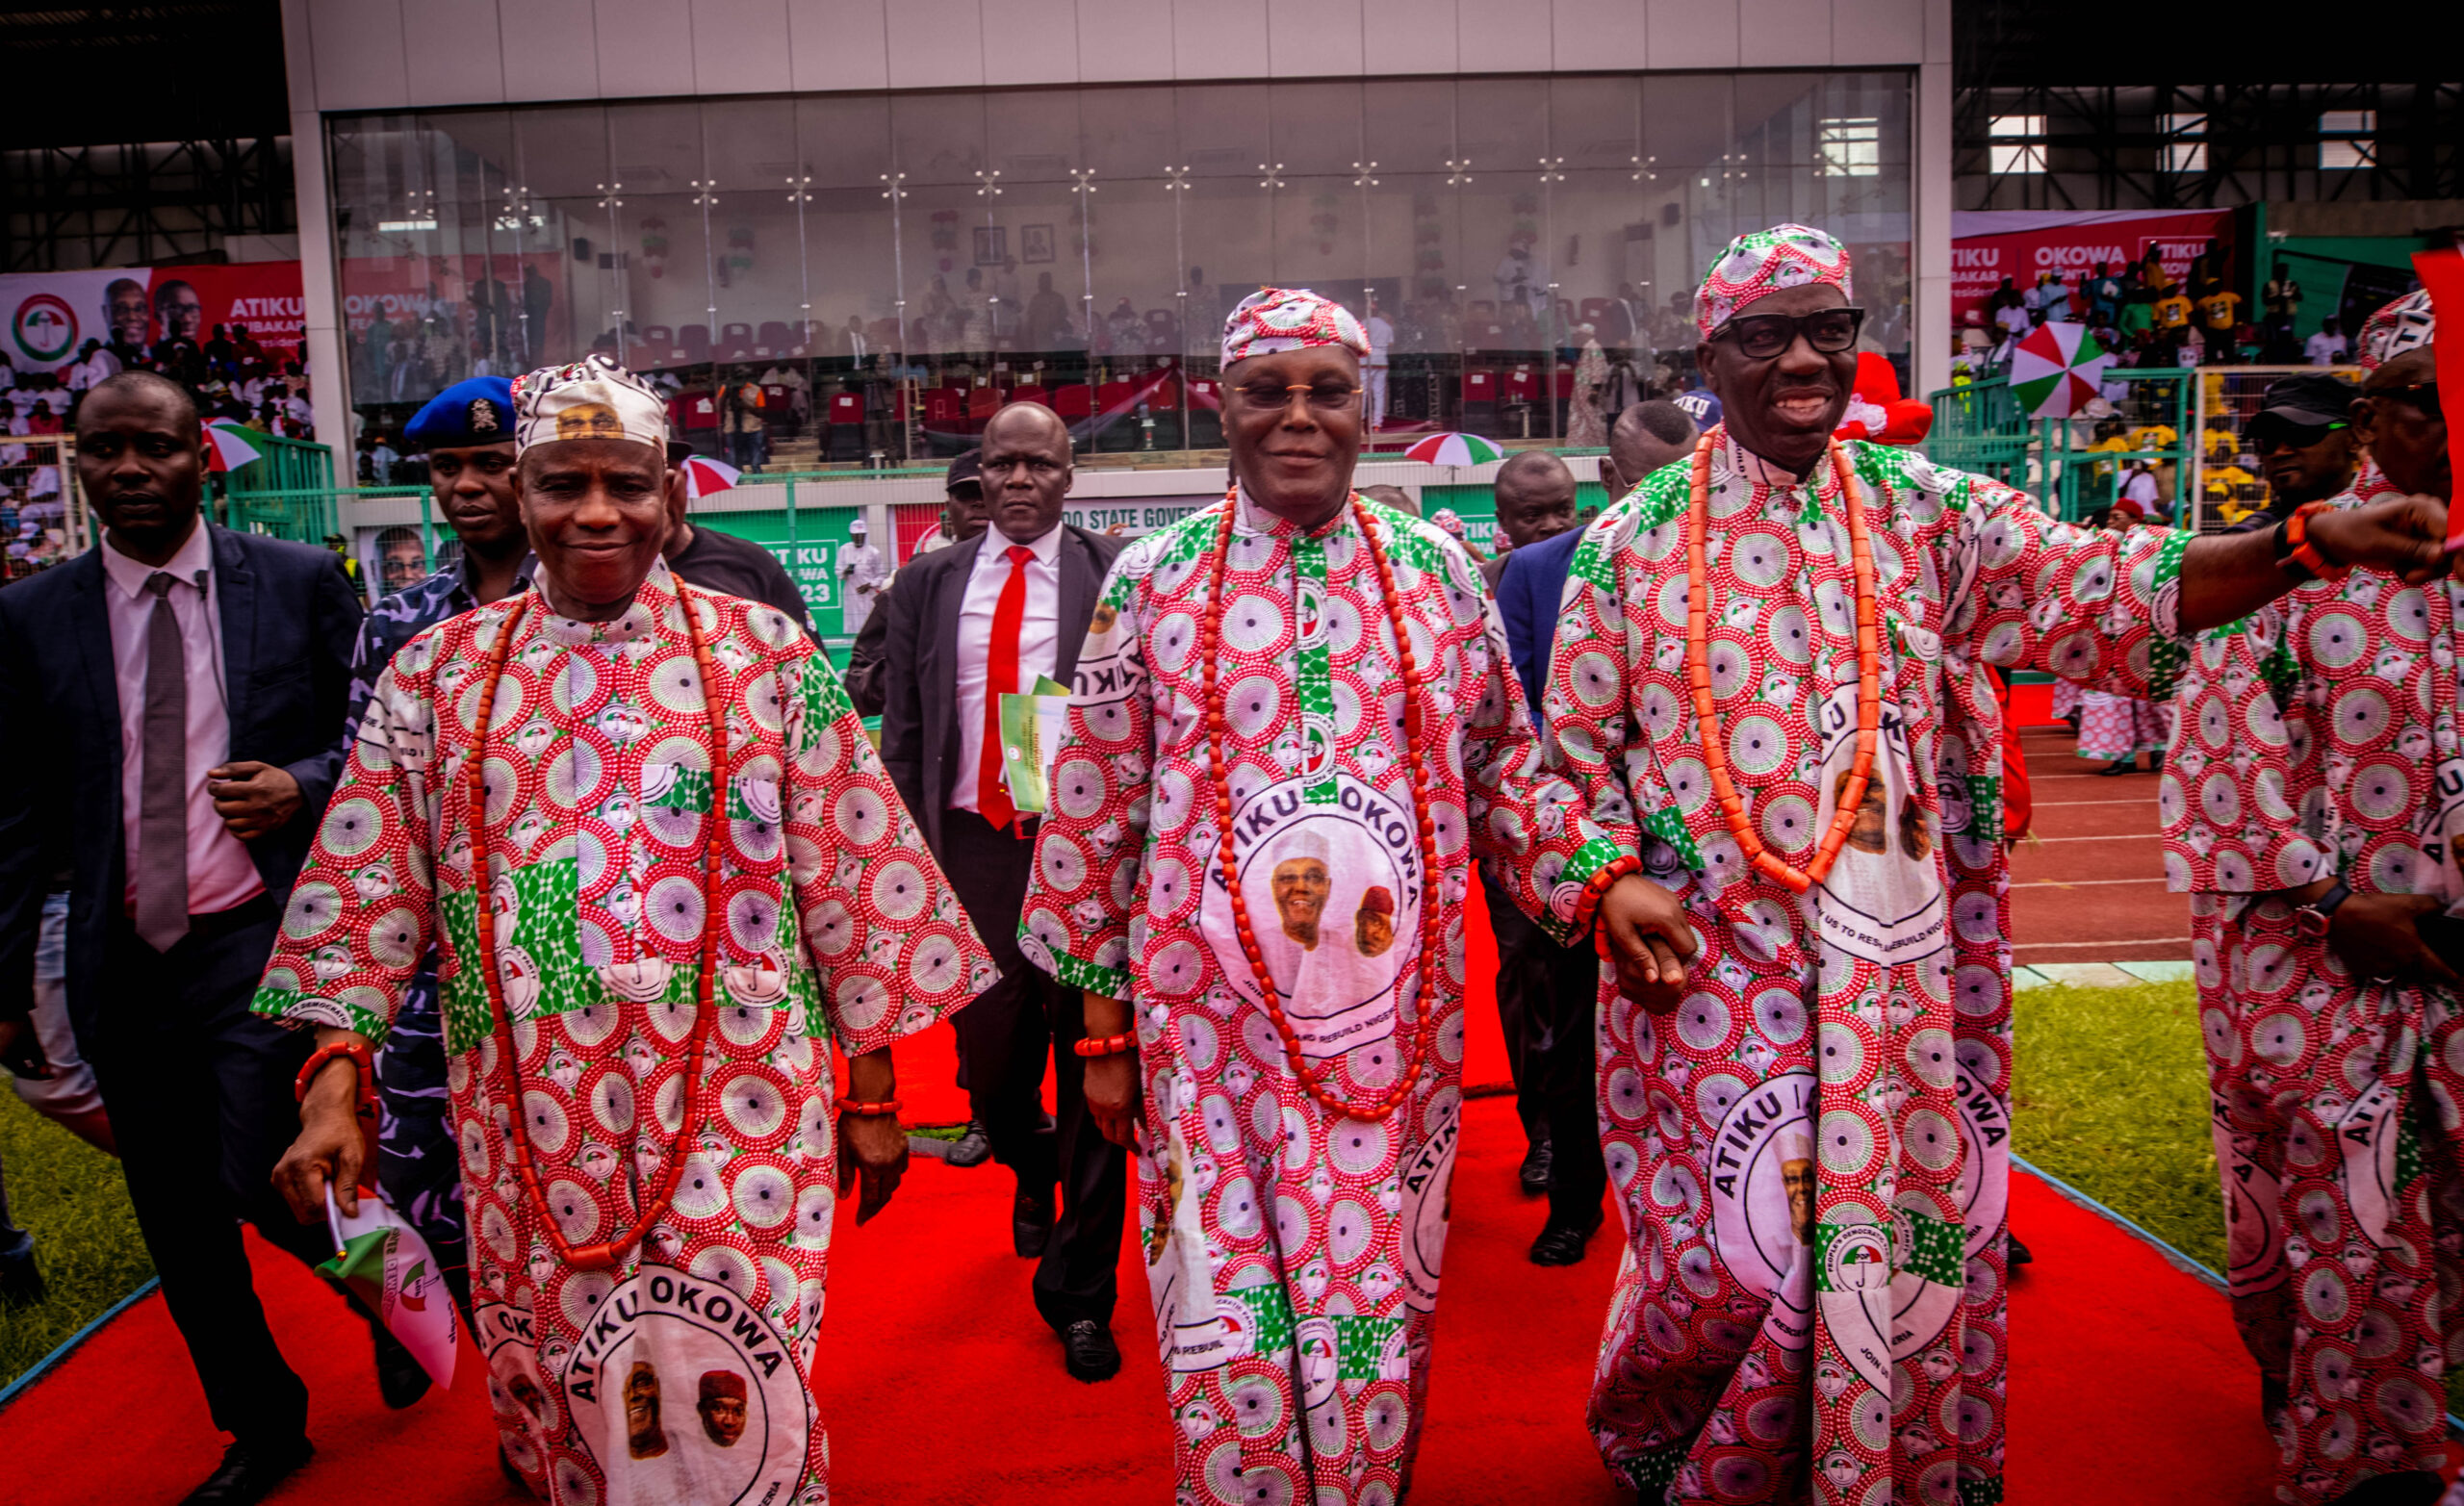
(935, 43)
(1692, 33)
(358, 48)
(452, 53)
(1784, 34)
(1500, 36)
(551, 49)
(1122, 41)
(1220, 38)
(1313, 38)
(1031, 41)
(740, 47)
(1593, 34)
(1865, 32)
(837, 44)
(1410, 36)
(645, 47)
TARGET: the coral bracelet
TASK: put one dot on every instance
(1107, 1045)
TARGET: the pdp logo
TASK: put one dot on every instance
(45, 328)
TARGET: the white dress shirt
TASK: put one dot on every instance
(1039, 640)
(221, 872)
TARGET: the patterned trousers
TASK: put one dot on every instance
(2334, 1105)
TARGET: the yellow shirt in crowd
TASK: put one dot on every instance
(2173, 312)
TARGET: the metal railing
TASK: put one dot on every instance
(1981, 426)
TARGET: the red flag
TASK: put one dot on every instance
(2442, 273)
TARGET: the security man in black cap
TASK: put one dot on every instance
(962, 518)
(2304, 437)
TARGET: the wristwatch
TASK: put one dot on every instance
(2295, 550)
(2315, 916)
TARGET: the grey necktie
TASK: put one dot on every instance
(162, 855)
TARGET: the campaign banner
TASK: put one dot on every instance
(52, 315)
(2050, 242)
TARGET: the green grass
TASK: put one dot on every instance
(72, 1196)
(2111, 1091)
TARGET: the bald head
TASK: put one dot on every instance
(151, 387)
(1026, 471)
(1393, 496)
(1535, 497)
(1645, 437)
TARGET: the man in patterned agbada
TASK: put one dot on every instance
(663, 872)
(1310, 691)
(1769, 681)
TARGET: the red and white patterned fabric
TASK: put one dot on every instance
(2232, 821)
(1274, 319)
(1762, 262)
(1812, 1153)
(2334, 1106)
(2402, 325)
(593, 397)
(1293, 1255)
(2113, 727)
(2338, 1130)
(2068, 695)
(837, 926)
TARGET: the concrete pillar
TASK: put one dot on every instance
(319, 282)
(1930, 327)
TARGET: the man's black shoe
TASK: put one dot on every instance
(20, 1278)
(1088, 1351)
(249, 1472)
(1030, 1224)
(1560, 1244)
(2118, 766)
(2014, 1254)
(973, 1149)
(1533, 1173)
(400, 1380)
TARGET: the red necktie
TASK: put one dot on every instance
(1001, 677)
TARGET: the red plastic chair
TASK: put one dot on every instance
(1521, 385)
(944, 407)
(1031, 394)
(1073, 402)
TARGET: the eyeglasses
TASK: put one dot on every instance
(1761, 336)
(1322, 397)
(2268, 430)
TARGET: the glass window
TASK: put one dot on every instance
(2015, 143)
(854, 279)
(2187, 152)
(2349, 139)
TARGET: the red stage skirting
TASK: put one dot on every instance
(938, 1383)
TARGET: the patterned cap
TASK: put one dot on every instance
(1274, 319)
(2406, 325)
(589, 399)
(1764, 262)
(475, 412)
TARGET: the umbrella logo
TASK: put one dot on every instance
(45, 327)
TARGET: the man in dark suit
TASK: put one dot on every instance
(183, 684)
(967, 623)
(1547, 993)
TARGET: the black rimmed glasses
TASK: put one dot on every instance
(1759, 337)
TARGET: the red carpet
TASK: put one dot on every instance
(2128, 1384)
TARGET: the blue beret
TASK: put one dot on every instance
(475, 412)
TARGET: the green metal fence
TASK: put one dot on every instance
(2074, 466)
(287, 491)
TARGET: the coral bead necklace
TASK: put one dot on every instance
(1209, 649)
(1698, 678)
(605, 1255)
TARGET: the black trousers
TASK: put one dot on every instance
(1005, 1037)
(200, 1093)
(1547, 1000)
